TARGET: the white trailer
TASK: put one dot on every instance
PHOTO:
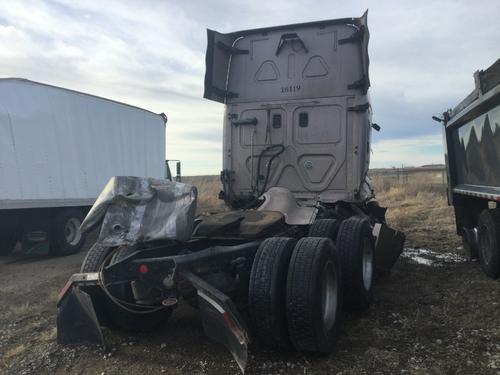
(58, 148)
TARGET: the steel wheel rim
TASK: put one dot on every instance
(329, 296)
(72, 231)
(367, 264)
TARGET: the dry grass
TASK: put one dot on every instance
(15, 351)
(417, 205)
(208, 193)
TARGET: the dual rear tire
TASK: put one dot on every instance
(298, 288)
(295, 293)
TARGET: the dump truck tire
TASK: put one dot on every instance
(356, 252)
(324, 228)
(314, 295)
(121, 318)
(489, 242)
(66, 236)
(267, 289)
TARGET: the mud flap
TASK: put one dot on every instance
(77, 321)
(388, 247)
(221, 320)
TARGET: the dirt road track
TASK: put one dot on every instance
(443, 319)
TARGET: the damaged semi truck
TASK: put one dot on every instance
(472, 144)
(304, 237)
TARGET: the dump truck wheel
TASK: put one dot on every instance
(121, 318)
(266, 293)
(357, 257)
(313, 295)
(324, 228)
(489, 242)
(66, 236)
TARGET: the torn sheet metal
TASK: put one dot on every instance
(136, 209)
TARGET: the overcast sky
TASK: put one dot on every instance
(152, 54)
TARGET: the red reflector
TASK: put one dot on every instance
(143, 268)
(64, 290)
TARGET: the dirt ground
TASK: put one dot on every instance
(435, 314)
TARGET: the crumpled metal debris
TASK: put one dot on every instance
(136, 209)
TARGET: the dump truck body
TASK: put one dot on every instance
(472, 143)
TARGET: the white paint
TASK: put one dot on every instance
(60, 147)
(431, 258)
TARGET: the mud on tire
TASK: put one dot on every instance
(266, 294)
(356, 252)
(313, 295)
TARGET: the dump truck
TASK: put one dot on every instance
(58, 149)
(471, 135)
(304, 237)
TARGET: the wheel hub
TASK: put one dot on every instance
(329, 296)
(367, 264)
(72, 231)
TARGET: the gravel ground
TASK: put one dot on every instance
(439, 316)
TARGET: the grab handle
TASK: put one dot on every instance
(290, 37)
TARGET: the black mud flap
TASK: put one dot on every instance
(221, 320)
(77, 321)
(388, 247)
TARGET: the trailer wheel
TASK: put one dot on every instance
(357, 256)
(489, 242)
(313, 295)
(324, 228)
(266, 292)
(66, 236)
(119, 317)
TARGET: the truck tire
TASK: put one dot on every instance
(357, 257)
(267, 289)
(119, 317)
(314, 295)
(66, 237)
(324, 228)
(489, 242)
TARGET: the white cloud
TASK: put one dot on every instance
(415, 151)
(151, 54)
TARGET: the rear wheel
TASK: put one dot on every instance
(121, 318)
(266, 293)
(357, 256)
(313, 295)
(489, 242)
(66, 236)
(324, 228)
